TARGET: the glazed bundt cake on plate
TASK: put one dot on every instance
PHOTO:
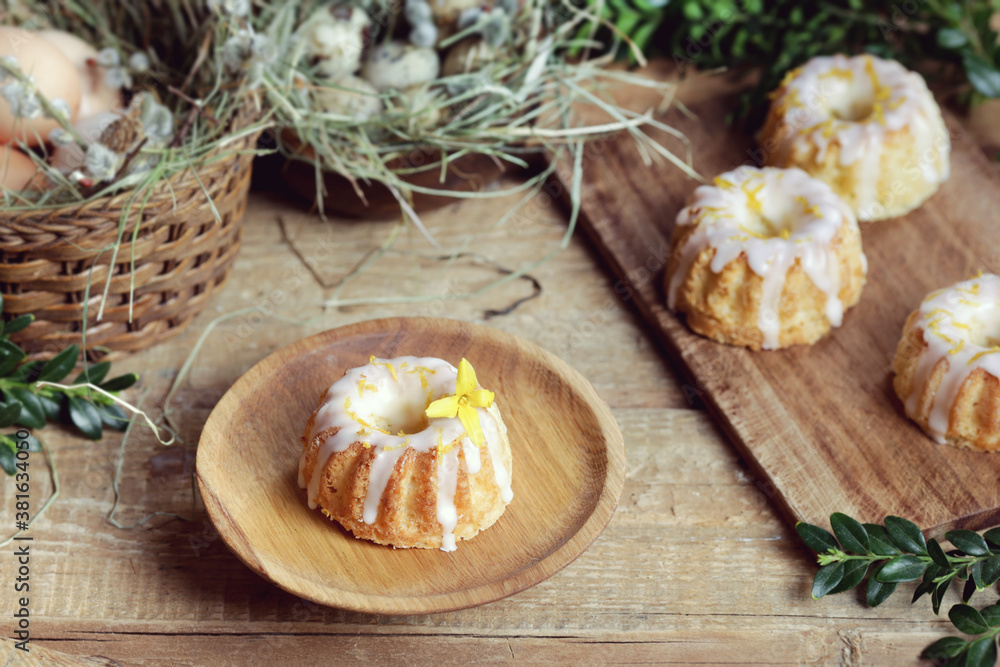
(408, 452)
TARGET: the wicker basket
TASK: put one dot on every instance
(180, 257)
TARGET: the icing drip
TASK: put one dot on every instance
(377, 405)
(960, 324)
(854, 103)
(774, 218)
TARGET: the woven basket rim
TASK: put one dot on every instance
(248, 113)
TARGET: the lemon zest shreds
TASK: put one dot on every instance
(810, 209)
(354, 415)
(979, 355)
(752, 202)
(392, 370)
(957, 348)
(838, 73)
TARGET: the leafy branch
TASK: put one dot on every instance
(981, 651)
(897, 552)
(779, 35)
(29, 399)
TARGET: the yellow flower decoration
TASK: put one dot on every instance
(464, 403)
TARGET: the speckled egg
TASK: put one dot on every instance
(400, 65)
(351, 97)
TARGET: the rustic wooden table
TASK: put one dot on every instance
(696, 566)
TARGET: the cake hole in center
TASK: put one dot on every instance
(406, 418)
(770, 227)
(985, 328)
(854, 108)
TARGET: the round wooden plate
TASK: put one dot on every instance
(569, 469)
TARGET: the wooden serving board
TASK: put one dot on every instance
(821, 424)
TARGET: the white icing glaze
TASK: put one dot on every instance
(372, 404)
(854, 102)
(774, 218)
(960, 324)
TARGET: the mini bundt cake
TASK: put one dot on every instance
(947, 364)
(408, 452)
(868, 127)
(765, 258)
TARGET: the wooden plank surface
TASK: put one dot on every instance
(821, 423)
(696, 566)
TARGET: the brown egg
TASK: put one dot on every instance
(98, 96)
(16, 168)
(54, 75)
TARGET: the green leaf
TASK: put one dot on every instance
(18, 324)
(851, 534)
(952, 38)
(52, 406)
(968, 542)
(991, 615)
(27, 372)
(983, 77)
(976, 575)
(85, 416)
(991, 571)
(906, 535)
(121, 382)
(982, 653)
(815, 537)
(59, 366)
(8, 461)
(937, 595)
(94, 374)
(879, 541)
(33, 444)
(993, 536)
(9, 413)
(32, 413)
(925, 586)
(878, 591)
(946, 647)
(113, 416)
(902, 568)
(969, 590)
(827, 579)
(937, 554)
(10, 356)
(854, 572)
(968, 620)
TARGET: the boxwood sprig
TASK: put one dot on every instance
(27, 401)
(897, 552)
(981, 649)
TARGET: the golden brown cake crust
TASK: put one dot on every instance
(974, 417)
(724, 306)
